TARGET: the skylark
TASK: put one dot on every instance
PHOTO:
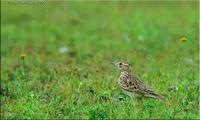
(131, 84)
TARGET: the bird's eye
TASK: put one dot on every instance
(120, 63)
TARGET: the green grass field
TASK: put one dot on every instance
(55, 59)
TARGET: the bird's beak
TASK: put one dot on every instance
(113, 63)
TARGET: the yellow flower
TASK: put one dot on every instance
(183, 39)
(22, 55)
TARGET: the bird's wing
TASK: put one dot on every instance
(135, 85)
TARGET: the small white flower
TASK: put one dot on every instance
(63, 50)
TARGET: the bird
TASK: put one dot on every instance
(131, 85)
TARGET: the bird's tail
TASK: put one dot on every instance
(156, 96)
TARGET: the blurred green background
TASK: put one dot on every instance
(55, 58)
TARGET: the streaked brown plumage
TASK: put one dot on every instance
(131, 85)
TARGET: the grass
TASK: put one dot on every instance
(55, 59)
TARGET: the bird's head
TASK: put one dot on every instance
(122, 66)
